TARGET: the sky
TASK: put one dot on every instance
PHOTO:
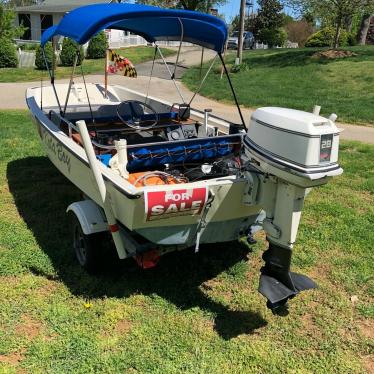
(232, 7)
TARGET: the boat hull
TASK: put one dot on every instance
(227, 217)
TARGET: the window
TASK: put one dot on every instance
(24, 20)
(46, 21)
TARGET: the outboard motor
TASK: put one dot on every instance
(290, 151)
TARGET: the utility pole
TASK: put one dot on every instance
(241, 32)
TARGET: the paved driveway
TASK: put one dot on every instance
(12, 95)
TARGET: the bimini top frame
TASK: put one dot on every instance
(150, 22)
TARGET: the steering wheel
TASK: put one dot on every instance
(135, 110)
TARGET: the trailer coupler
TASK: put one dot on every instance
(277, 283)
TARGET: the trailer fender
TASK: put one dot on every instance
(90, 216)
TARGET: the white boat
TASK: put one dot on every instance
(162, 177)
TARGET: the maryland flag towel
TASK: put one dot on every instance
(117, 64)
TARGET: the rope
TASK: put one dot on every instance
(161, 174)
(201, 148)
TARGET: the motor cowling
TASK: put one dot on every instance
(298, 147)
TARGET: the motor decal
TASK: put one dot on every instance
(326, 147)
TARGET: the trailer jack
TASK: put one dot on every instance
(277, 283)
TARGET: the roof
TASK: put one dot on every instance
(57, 6)
(152, 23)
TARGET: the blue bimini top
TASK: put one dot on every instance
(152, 23)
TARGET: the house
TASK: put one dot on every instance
(37, 18)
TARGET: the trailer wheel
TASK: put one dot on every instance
(87, 248)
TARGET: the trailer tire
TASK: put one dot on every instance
(88, 249)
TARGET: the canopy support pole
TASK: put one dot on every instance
(106, 74)
(150, 76)
(201, 61)
(70, 83)
(180, 47)
(41, 89)
(232, 90)
(224, 54)
(85, 86)
(51, 76)
(171, 74)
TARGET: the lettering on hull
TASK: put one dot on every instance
(56, 148)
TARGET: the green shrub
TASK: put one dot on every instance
(39, 58)
(343, 38)
(8, 54)
(352, 39)
(325, 38)
(97, 46)
(28, 47)
(273, 37)
(69, 51)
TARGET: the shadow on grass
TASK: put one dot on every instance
(42, 194)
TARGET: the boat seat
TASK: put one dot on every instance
(155, 155)
(184, 151)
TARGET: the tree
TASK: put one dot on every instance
(370, 36)
(7, 29)
(336, 13)
(160, 3)
(364, 28)
(270, 15)
(273, 37)
(40, 62)
(199, 5)
(8, 56)
(15, 3)
(249, 23)
(97, 46)
(299, 31)
(268, 23)
(325, 38)
(69, 52)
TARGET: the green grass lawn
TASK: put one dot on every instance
(292, 78)
(193, 313)
(135, 54)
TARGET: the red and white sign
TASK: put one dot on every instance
(174, 203)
